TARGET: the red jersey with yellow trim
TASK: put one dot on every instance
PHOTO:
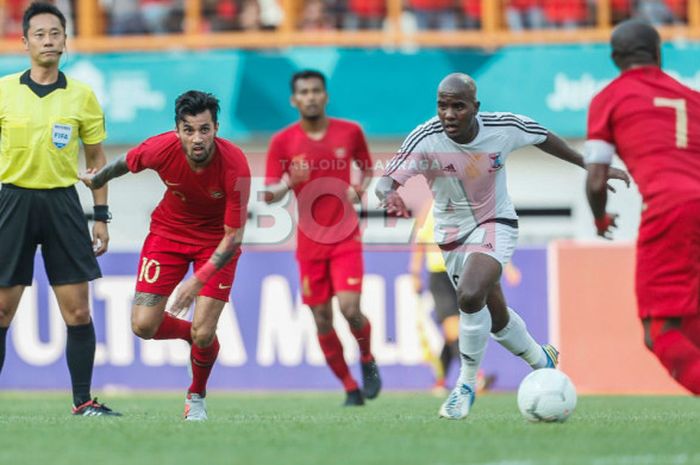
(196, 205)
(326, 216)
(654, 123)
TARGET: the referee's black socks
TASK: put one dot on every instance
(80, 354)
(3, 336)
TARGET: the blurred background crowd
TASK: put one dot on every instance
(122, 17)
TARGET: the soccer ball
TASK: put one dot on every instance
(546, 395)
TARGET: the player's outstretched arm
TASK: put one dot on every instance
(554, 145)
(95, 179)
(225, 251)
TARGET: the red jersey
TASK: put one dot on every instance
(326, 216)
(654, 123)
(196, 205)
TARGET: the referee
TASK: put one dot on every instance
(43, 116)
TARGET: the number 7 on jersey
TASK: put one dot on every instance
(679, 105)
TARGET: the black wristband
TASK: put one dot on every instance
(101, 213)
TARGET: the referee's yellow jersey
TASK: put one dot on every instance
(40, 130)
(433, 257)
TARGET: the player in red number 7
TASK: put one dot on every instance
(200, 220)
(653, 123)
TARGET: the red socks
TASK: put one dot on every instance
(363, 336)
(333, 351)
(202, 359)
(680, 357)
(174, 328)
(690, 326)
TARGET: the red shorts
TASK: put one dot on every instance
(165, 262)
(341, 271)
(668, 263)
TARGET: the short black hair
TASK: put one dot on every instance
(307, 74)
(39, 8)
(194, 102)
(635, 42)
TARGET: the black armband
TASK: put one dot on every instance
(101, 213)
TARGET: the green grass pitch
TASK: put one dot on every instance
(311, 428)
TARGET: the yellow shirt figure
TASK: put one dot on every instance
(39, 138)
(44, 116)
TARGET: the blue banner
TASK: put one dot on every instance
(268, 338)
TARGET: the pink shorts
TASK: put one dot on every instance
(164, 263)
(668, 263)
(322, 278)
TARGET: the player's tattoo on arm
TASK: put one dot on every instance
(230, 246)
(112, 170)
(224, 252)
(147, 300)
(221, 258)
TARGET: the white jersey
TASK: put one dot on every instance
(468, 181)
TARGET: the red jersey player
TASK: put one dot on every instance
(653, 123)
(200, 220)
(313, 158)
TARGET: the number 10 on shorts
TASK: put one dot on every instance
(150, 270)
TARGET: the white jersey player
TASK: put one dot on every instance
(468, 182)
(462, 154)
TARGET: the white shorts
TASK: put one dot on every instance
(494, 239)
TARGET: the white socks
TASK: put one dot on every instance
(518, 341)
(474, 329)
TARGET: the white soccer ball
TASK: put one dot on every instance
(546, 395)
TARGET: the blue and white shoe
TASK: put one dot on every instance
(458, 403)
(552, 355)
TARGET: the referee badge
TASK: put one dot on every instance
(60, 134)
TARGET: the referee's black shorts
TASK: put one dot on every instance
(52, 218)
(444, 295)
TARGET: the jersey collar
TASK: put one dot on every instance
(642, 69)
(42, 90)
